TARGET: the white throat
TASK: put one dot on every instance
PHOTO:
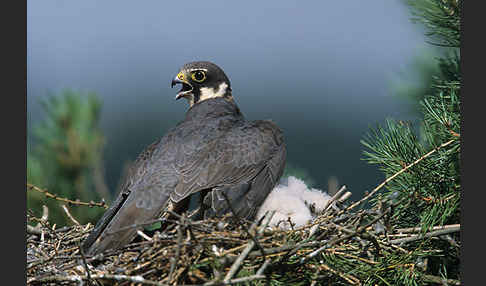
(207, 93)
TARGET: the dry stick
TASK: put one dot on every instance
(173, 261)
(79, 278)
(33, 230)
(450, 240)
(275, 250)
(295, 248)
(395, 175)
(47, 194)
(334, 198)
(234, 281)
(45, 215)
(246, 251)
(417, 229)
(345, 197)
(348, 277)
(40, 261)
(440, 280)
(85, 264)
(244, 228)
(259, 275)
(43, 223)
(143, 235)
(65, 209)
(262, 268)
(191, 233)
(337, 240)
(429, 234)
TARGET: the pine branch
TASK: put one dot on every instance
(397, 174)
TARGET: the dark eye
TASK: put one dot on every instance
(199, 76)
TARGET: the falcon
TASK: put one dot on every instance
(214, 154)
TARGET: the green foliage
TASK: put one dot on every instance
(441, 18)
(67, 156)
(430, 190)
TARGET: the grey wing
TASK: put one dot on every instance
(245, 164)
(143, 196)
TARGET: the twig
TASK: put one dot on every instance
(259, 275)
(143, 235)
(33, 230)
(235, 281)
(336, 196)
(337, 240)
(395, 175)
(429, 234)
(262, 268)
(440, 280)
(79, 278)
(43, 223)
(45, 215)
(275, 250)
(345, 197)
(40, 261)
(71, 202)
(83, 258)
(173, 261)
(450, 240)
(246, 251)
(417, 229)
(65, 209)
(348, 277)
(243, 226)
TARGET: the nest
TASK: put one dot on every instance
(339, 247)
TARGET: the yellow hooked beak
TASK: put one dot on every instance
(186, 86)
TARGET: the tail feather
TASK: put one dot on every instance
(119, 225)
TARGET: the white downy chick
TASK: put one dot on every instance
(292, 199)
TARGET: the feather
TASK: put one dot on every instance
(249, 159)
(291, 200)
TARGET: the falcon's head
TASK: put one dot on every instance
(201, 81)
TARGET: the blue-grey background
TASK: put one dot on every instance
(320, 69)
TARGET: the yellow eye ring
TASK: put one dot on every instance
(198, 76)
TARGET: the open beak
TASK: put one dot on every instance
(185, 90)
